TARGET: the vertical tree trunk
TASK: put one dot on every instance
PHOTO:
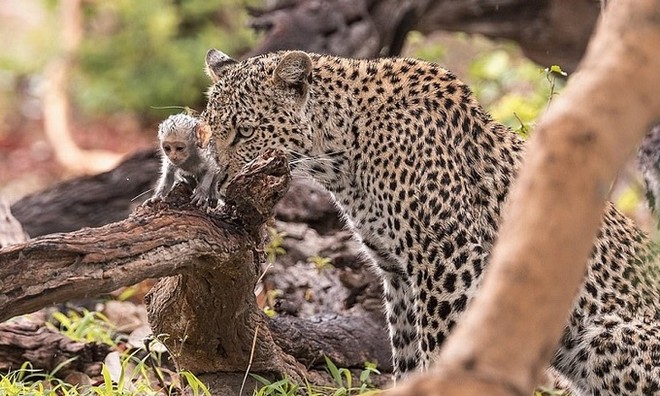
(57, 104)
(509, 333)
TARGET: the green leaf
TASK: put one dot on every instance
(107, 381)
(558, 70)
(334, 371)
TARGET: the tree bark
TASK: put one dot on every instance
(554, 212)
(30, 340)
(206, 305)
(349, 341)
(93, 261)
(90, 201)
(549, 32)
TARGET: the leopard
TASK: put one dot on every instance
(421, 174)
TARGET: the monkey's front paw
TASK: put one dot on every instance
(199, 200)
(189, 180)
(153, 200)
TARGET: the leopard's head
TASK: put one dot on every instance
(257, 104)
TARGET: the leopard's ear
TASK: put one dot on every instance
(203, 134)
(294, 70)
(215, 61)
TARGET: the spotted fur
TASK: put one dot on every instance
(422, 172)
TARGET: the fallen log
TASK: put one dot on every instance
(30, 340)
(90, 201)
(553, 32)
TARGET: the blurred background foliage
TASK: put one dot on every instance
(140, 61)
(135, 56)
(151, 52)
(513, 89)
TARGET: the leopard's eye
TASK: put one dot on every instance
(246, 131)
(242, 133)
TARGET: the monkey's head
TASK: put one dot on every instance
(179, 135)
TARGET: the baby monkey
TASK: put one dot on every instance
(184, 142)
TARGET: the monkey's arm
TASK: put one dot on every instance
(207, 189)
(166, 179)
(186, 177)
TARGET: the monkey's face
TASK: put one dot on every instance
(176, 151)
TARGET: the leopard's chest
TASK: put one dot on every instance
(378, 225)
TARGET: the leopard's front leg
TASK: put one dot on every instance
(402, 323)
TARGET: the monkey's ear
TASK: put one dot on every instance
(203, 134)
(215, 61)
(294, 70)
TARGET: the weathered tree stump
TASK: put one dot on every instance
(206, 306)
(210, 314)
